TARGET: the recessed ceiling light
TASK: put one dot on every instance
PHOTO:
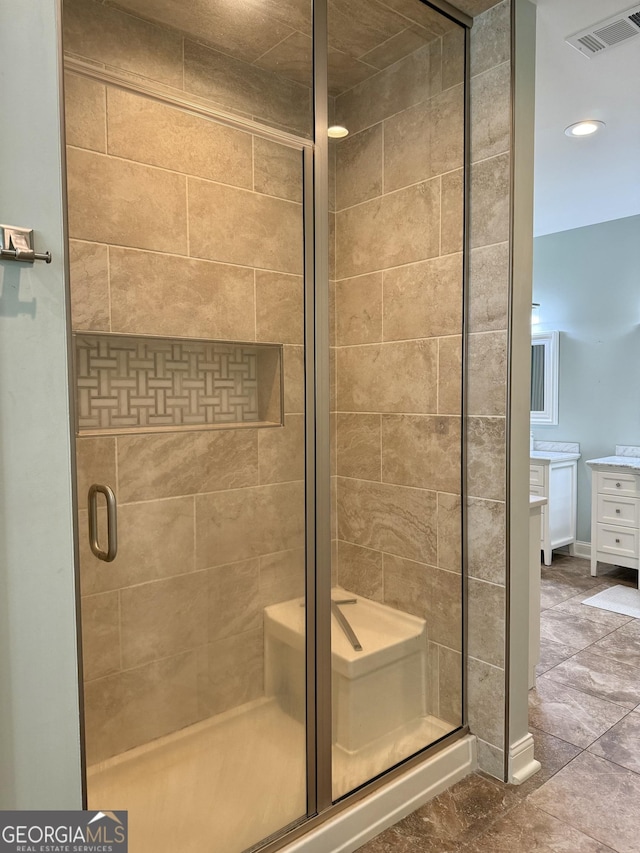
(337, 131)
(584, 128)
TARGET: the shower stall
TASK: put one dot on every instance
(266, 211)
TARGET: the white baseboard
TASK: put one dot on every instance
(522, 764)
(353, 827)
(580, 549)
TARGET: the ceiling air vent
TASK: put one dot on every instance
(607, 34)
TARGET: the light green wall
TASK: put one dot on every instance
(587, 282)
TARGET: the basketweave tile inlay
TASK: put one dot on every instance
(129, 383)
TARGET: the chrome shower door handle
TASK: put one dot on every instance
(112, 523)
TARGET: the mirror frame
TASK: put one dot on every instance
(551, 343)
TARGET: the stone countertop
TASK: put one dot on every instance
(632, 463)
(552, 456)
(536, 501)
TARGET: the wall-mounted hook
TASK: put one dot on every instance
(16, 244)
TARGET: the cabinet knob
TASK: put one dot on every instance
(617, 512)
(618, 541)
(617, 485)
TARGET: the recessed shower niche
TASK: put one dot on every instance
(148, 384)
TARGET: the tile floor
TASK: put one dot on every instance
(585, 717)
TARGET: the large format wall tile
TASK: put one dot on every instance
(85, 116)
(281, 454)
(486, 539)
(277, 169)
(155, 540)
(453, 57)
(89, 276)
(279, 307)
(240, 86)
(282, 576)
(359, 167)
(449, 685)
(95, 463)
(166, 465)
(358, 310)
(424, 300)
(424, 141)
(450, 375)
(452, 213)
(392, 377)
(359, 448)
(360, 570)
(486, 465)
(107, 35)
(445, 613)
(407, 586)
(163, 618)
(491, 41)
(149, 132)
(208, 300)
(489, 293)
(395, 229)
(486, 621)
(134, 707)
(116, 201)
(233, 599)
(490, 182)
(486, 715)
(422, 451)
(394, 519)
(239, 32)
(491, 116)
(100, 634)
(230, 672)
(246, 523)
(449, 532)
(404, 84)
(487, 373)
(294, 379)
(255, 230)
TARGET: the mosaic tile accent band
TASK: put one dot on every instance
(129, 383)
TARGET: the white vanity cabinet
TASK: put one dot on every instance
(554, 476)
(615, 512)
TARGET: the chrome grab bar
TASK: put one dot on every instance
(112, 523)
(344, 622)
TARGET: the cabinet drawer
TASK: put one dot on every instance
(618, 484)
(538, 491)
(613, 509)
(536, 475)
(622, 541)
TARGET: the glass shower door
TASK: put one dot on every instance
(397, 179)
(188, 313)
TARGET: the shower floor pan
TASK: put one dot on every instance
(377, 690)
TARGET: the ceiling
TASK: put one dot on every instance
(581, 182)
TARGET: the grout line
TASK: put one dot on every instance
(165, 170)
(186, 191)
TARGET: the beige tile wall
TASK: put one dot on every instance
(489, 284)
(180, 226)
(397, 335)
(165, 57)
